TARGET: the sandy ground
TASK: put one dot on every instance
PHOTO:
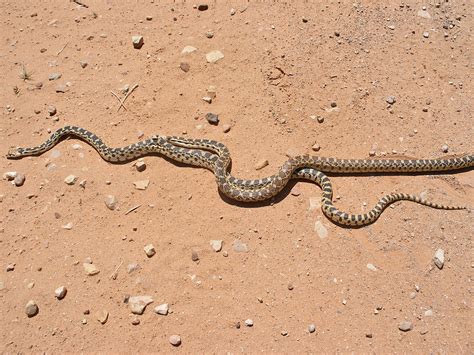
(277, 72)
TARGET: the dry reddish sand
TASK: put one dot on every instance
(277, 72)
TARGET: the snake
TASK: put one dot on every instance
(215, 156)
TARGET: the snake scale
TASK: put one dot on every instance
(215, 156)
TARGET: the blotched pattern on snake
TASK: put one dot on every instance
(215, 156)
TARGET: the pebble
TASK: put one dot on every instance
(216, 245)
(372, 153)
(261, 164)
(61, 88)
(212, 118)
(162, 309)
(249, 323)
(60, 292)
(54, 76)
(405, 326)
(31, 309)
(10, 175)
(138, 303)
(188, 49)
(70, 179)
(333, 104)
(149, 250)
(371, 267)
(239, 247)
(391, 100)
(10, 267)
(142, 184)
(311, 328)
(140, 165)
(175, 340)
(135, 321)
(232, 12)
(214, 56)
(439, 258)
(290, 286)
(137, 42)
(316, 147)
(133, 267)
(19, 180)
(209, 34)
(426, 34)
(102, 316)
(194, 255)
(423, 13)
(304, 19)
(111, 202)
(207, 99)
(90, 269)
(321, 230)
(226, 128)
(149, 18)
(83, 64)
(67, 226)
(429, 313)
(284, 333)
(52, 110)
(203, 7)
(445, 148)
(185, 66)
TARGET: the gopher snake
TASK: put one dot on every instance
(215, 156)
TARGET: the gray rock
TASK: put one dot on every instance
(149, 250)
(239, 247)
(54, 76)
(391, 100)
(111, 202)
(311, 328)
(60, 292)
(162, 309)
(31, 309)
(52, 110)
(70, 179)
(209, 34)
(175, 340)
(212, 118)
(214, 56)
(216, 245)
(439, 258)
(138, 304)
(19, 179)
(405, 326)
(137, 42)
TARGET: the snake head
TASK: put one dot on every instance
(14, 153)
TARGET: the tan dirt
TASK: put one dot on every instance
(276, 73)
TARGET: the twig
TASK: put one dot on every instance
(132, 209)
(80, 3)
(60, 51)
(113, 275)
(125, 98)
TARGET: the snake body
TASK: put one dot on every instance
(215, 156)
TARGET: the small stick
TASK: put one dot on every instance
(125, 98)
(132, 209)
(120, 100)
(113, 276)
(62, 49)
(80, 3)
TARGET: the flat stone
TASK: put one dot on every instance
(67, 226)
(212, 118)
(175, 340)
(60, 292)
(162, 309)
(102, 316)
(137, 42)
(188, 49)
(90, 269)
(70, 179)
(424, 14)
(371, 267)
(405, 326)
(321, 230)
(54, 76)
(216, 245)
(111, 202)
(31, 309)
(439, 258)
(138, 303)
(214, 56)
(142, 184)
(149, 250)
(261, 164)
(185, 66)
(61, 88)
(239, 247)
